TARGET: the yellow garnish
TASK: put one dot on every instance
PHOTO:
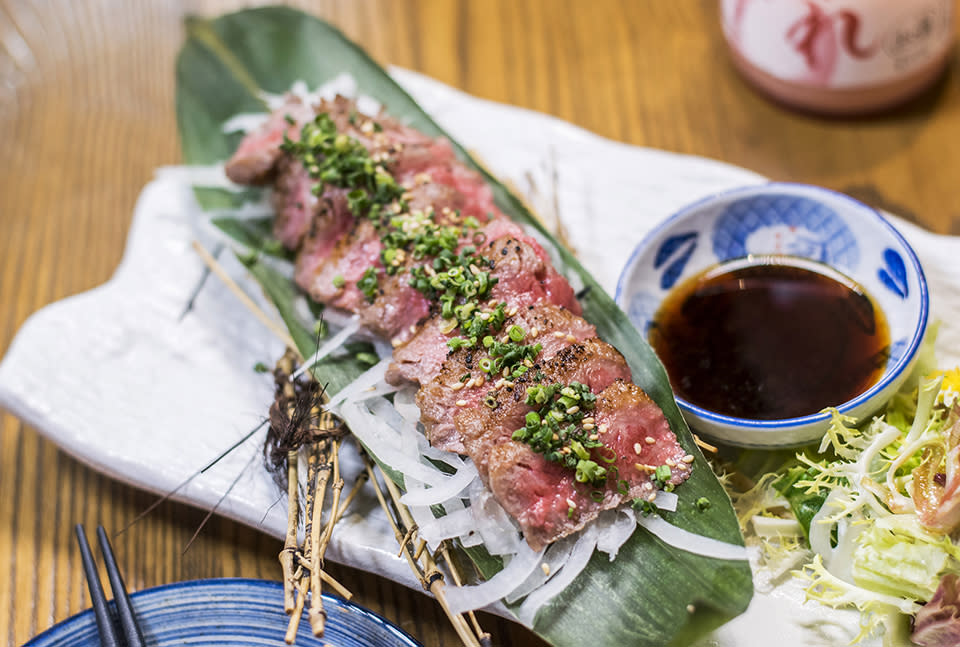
(951, 378)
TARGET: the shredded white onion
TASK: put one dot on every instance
(576, 562)
(614, 527)
(406, 405)
(366, 381)
(343, 84)
(498, 530)
(465, 598)
(452, 486)
(666, 501)
(452, 524)
(691, 542)
(328, 347)
(383, 442)
(245, 122)
(553, 560)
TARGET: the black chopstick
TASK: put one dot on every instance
(128, 621)
(132, 636)
(108, 633)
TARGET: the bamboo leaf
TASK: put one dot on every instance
(644, 597)
(254, 234)
(335, 371)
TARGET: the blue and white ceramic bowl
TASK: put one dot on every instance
(796, 220)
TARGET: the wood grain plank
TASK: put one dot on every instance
(86, 96)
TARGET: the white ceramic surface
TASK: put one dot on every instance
(796, 220)
(117, 379)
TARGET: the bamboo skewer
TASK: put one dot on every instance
(303, 581)
(434, 577)
(302, 570)
(354, 491)
(428, 572)
(258, 312)
(485, 638)
(288, 554)
(317, 615)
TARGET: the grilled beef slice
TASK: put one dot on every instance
(592, 362)
(524, 278)
(460, 379)
(544, 497)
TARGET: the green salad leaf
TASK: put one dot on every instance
(652, 594)
(803, 503)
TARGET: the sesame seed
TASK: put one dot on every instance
(588, 420)
(645, 468)
(559, 335)
(512, 311)
(571, 339)
(652, 497)
(603, 428)
(556, 437)
(508, 382)
(461, 403)
(638, 448)
(499, 384)
(649, 440)
(571, 504)
(474, 268)
(485, 316)
(691, 608)
(572, 410)
(506, 372)
(395, 342)
(670, 462)
(413, 328)
(456, 386)
(534, 331)
(588, 426)
(593, 437)
(528, 363)
(688, 458)
(545, 568)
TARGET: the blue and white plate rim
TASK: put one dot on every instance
(246, 590)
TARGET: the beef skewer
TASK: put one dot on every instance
(388, 224)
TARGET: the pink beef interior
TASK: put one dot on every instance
(462, 409)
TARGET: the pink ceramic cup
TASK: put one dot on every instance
(840, 57)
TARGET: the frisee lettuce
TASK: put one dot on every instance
(877, 502)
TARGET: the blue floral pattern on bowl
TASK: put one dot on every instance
(796, 220)
(894, 273)
(785, 224)
(677, 250)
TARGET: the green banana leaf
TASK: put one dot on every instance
(652, 594)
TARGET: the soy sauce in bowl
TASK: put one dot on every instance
(770, 337)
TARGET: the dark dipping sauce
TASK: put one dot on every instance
(770, 337)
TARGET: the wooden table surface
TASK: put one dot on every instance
(86, 114)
